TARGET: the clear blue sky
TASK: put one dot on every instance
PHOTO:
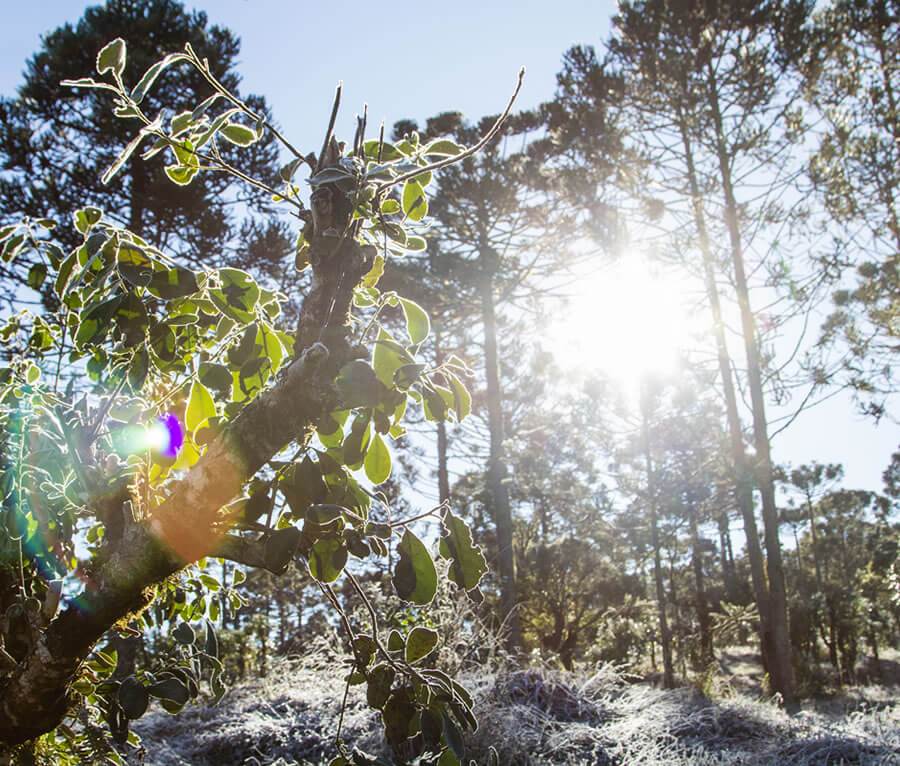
(427, 58)
(430, 58)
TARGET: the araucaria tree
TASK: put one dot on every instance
(56, 142)
(197, 426)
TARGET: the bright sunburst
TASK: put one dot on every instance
(626, 320)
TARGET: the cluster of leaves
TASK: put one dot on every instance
(172, 355)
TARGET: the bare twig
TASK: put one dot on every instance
(474, 149)
(330, 131)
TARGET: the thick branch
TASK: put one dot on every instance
(33, 700)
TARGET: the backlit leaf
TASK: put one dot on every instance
(415, 578)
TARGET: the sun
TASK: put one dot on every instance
(628, 319)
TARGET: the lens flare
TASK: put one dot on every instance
(166, 436)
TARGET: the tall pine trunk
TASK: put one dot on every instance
(703, 620)
(501, 511)
(742, 476)
(780, 669)
(665, 634)
(442, 470)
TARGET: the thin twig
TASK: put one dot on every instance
(474, 149)
(330, 131)
(443, 506)
(203, 67)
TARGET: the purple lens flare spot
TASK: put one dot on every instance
(175, 432)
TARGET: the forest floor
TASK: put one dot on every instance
(542, 716)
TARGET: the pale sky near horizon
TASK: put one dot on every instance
(426, 60)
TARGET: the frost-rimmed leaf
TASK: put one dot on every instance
(146, 82)
(443, 147)
(415, 203)
(420, 643)
(462, 399)
(238, 134)
(417, 323)
(327, 559)
(467, 562)
(112, 58)
(129, 150)
(415, 577)
(378, 461)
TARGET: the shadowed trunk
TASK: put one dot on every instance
(443, 472)
(497, 476)
(665, 634)
(706, 641)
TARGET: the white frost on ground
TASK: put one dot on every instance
(536, 717)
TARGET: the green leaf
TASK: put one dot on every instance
(146, 82)
(357, 442)
(420, 643)
(443, 147)
(122, 158)
(170, 689)
(112, 58)
(378, 461)
(174, 282)
(134, 265)
(181, 175)
(281, 546)
(388, 357)
(414, 201)
(453, 737)
(138, 369)
(415, 578)
(380, 679)
(389, 152)
(327, 559)
(184, 634)
(36, 275)
(217, 377)
(86, 217)
(408, 374)
(133, 698)
(211, 647)
(416, 244)
(357, 385)
(238, 295)
(238, 134)
(12, 246)
(467, 562)
(395, 641)
(200, 407)
(417, 323)
(399, 715)
(461, 397)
